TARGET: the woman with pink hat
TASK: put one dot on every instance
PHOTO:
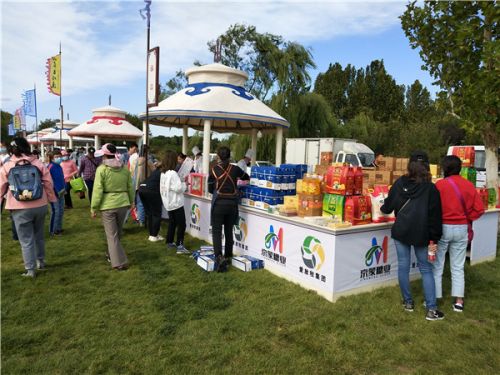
(113, 195)
(70, 170)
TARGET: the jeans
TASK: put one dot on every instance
(455, 241)
(30, 229)
(141, 213)
(404, 258)
(152, 203)
(176, 219)
(90, 188)
(56, 215)
(223, 214)
(67, 196)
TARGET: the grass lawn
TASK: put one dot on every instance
(166, 315)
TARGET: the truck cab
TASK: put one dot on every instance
(356, 154)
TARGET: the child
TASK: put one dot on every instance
(56, 216)
(172, 194)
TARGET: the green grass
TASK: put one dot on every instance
(165, 315)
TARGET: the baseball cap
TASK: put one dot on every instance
(91, 149)
(419, 155)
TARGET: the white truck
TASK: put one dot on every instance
(308, 151)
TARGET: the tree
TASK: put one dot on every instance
(47, 123)
(458, 44)
(6, 120)
(173, 85)
(419, 106)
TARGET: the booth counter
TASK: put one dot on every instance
(333, 262)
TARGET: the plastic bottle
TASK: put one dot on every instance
(431, 254)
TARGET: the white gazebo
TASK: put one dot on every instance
(107, 122)
(62, 137)
(215, 99)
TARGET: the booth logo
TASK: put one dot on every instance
(274, 240)
(195, 217)
(195, 213)
(240, 230)
(313, 253)
(376, 252)
(376, 260)
(273, 243)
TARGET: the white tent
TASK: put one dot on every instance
(107, 122)
(215, 99)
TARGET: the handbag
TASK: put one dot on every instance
(470, 232)
(77, 184)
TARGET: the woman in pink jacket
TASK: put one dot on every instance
(28, 215)
(70, 170)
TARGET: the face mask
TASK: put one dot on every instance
(64, 158)
(57, 160)
(3, 150)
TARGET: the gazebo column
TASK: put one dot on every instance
(279, 145)
(55, 143)
(254, 145)
(71, 142)
(42, 146)
(97, 142)
(185, 139)
(207, 124)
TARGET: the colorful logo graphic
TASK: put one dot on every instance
(195, 213)
(273, 240)
(313, 253)
(240, 230)
(376, 252)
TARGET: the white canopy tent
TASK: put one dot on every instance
(215, 99)
(107, 122)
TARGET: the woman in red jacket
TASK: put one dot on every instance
(460, 205)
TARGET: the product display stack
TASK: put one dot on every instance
(467, 156)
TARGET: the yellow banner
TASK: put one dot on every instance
(54, 74)
(17, 120)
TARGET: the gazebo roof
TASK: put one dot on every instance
(107, 122)
(215, 92)
(63, 136)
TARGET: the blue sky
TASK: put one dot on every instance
(103, 44)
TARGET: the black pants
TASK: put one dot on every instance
(67, 197)
(152, 203)
(223, 213)
(176, 219)
(90, 187)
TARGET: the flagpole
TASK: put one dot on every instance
(146, 123)
(60, 95)
(36, 115)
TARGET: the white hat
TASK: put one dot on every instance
(250, 153)
(195, 150)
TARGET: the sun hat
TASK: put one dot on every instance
(104, 151)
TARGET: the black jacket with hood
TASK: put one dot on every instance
(419, 221)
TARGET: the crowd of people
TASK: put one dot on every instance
(431, 218)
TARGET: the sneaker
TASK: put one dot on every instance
(409, 306)
(29, 273)
(182, 250)
(171, 245)
(221, 264)
(458, 307)
(155, 238)
(40, 264)
(108, 259)
(434, 315)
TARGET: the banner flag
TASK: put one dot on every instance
(29, 99)
(17, 119)
(54, 74)
(12, 132)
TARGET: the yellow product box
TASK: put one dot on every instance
(435, 170)
(291, 201)
(298, 186)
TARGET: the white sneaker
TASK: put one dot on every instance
(160, 238)
(155, 238)
(182, 250)
(29, 273)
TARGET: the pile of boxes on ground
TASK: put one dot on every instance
(205, 258)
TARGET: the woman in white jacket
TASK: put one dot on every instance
(172, 190)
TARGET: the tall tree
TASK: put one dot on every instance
(458, 43)
(419, 106)
(6, 120)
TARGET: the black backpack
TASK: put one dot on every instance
(25, 181)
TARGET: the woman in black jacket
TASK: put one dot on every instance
(417, 205)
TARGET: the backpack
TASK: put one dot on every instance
(25, 181)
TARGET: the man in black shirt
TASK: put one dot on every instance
(222, 183)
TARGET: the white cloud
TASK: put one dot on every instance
(104, 42)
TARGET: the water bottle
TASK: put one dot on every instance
(431, 253)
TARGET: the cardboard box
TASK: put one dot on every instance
(386, 163)
(256, 263)
(401, 164)
(206, 262)
(333, 205)
(242, 264)
(435, 170)
(383, 177)
(291, 201)
(326, 158)
(368, 177)
(320, 170)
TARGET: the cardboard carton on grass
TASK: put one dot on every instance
(242, 264)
